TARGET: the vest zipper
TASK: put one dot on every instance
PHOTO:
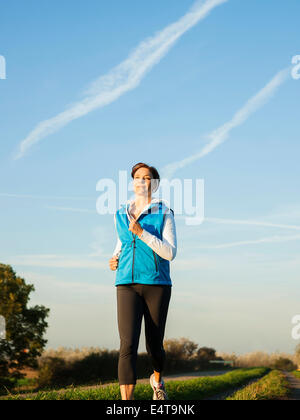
(133, 256)
(155, 259)
(133, 241)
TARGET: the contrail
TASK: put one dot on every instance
(45, 197)
(56, 261)
(272, 239)
(251, 223)
(125, 76)
(222, 133)
(76, 210)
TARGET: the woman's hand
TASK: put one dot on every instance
(113, 263)
(135, 228)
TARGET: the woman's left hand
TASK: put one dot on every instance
(135, 228)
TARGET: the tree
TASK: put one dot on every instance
(206, 354)
(182, 348)
(284, 364)
(25, 326)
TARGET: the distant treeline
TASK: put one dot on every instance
(63, 366)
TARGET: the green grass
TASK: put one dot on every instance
(296, 373)
(193, 389)
(7, 384)
(272, 387)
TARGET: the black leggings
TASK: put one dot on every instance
(134, 301)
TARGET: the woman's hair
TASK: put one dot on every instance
(154, 172)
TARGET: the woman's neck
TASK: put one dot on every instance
(141, 202)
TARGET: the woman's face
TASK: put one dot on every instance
(142, 182)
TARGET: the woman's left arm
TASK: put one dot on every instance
(167, 247)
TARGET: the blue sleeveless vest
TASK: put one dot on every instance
(138, 263)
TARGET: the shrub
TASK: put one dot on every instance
(94, 367)
(64, 367)
(284, 364)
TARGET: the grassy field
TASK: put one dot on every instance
(193, 389)
(271, 387)
(296, 373)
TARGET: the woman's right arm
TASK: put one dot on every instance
(114, 261)
(118, 247)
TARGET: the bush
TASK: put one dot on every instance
(65, 367)
(183, 354)
(180, 349)
(284, 364)
(94, 367)
(256, 358)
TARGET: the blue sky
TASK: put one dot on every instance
(239, 297)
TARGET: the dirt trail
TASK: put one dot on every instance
(295, 386)
(175, 377)
(292, 380)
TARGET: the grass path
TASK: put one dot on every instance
(231, 391)
(145, 381)
(294, 384)
(273, 386)
(183, 388)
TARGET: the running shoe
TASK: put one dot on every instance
(159, 391)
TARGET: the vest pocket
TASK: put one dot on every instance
(146, 262)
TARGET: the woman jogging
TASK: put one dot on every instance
(146, 244)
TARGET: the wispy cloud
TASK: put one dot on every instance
(240, 222)
(287, 211)
(222, 133)
(45, 197)
(57, 261)
(125, 76)
(251, 223)
(51, 289)
(272, 239)
(72, 209)
(97, 258)
(102, 237)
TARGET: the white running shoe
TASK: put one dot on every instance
(159, 391)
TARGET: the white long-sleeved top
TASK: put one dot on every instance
(165, 248)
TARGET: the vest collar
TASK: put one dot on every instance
(130, 202)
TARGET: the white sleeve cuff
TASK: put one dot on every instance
(146, 237)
